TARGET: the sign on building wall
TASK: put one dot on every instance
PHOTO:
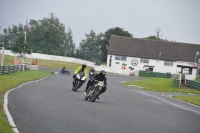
(134, 62)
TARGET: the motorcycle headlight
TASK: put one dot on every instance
(83, 78)
(78, 76)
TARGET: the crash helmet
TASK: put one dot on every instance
(84, 65)
(92, 69)
(102, 74)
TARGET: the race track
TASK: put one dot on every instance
(50, 106)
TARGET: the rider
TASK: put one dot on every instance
(91, 73)
(63, 70)
(101, 76)
(81, 69)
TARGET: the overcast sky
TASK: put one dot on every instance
(179, 20)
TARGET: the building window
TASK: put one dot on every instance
(187, 71)
(122, 58)
(142, 60)
(168, 63)
(117, 57)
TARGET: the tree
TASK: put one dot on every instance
(106, 37)
(48, 36)
(20, 46)
(11, 34)
(152, 38)
(69, 45)
(90, 47)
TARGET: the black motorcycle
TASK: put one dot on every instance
(64, 72)
(91, 74)
(94, 91)
(78, 81)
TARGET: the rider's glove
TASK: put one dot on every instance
(84, 80)
(74, 75)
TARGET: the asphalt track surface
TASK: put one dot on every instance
(50, 106)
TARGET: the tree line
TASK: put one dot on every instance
(49, 36)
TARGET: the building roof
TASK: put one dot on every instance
(152, 49)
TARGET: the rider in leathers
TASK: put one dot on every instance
(91, 73)
(81, 69)
(100, 77)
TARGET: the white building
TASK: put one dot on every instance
(127, 55)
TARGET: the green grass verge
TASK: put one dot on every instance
(9, 81)
(165, 85)
(160, 85)
(191, 99)
(198, 78)
(8, 60)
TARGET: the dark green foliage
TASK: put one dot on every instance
(20, 46)
(90, 47)
(153, 38)
(48, 36)
(95, 47)
(11, 35)
(106, 37)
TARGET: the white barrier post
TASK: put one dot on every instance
(2, 55)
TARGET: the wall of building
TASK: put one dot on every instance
(123, 67)
(158, 65)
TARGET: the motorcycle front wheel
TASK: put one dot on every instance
(88, 92)
(95, 94)
(76, 86)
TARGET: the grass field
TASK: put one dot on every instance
(191, 99)
(8, 60)
(198, 78)
(160, 85)
(165, 85)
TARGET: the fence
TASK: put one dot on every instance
(154, 74)
(12, 69)
(176, 83)
(193, 84)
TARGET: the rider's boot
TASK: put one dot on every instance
(85, 91)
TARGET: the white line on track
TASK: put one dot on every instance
(10, 119)
(170, 96)
(176, 105)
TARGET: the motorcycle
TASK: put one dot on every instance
(94, 91)
(65, 72)
(78, 81)
(91, 74)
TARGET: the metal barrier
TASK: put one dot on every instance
(176, 83)
(193, 84)
(154, 74)
(11, 69)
